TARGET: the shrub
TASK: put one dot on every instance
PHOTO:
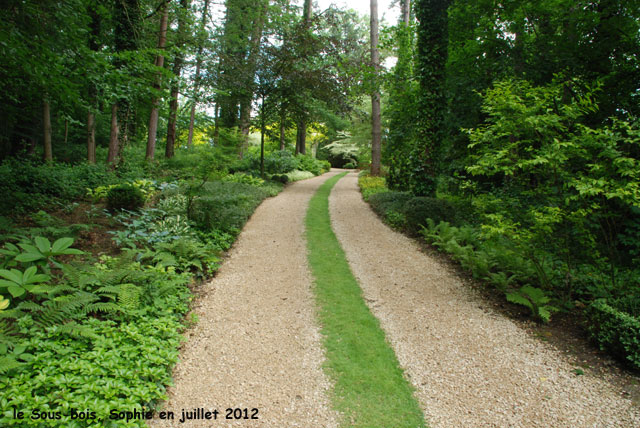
(125, 197)
(226, 206)
(371, 185)
(350, 165)
(615, 332)
(315, 166)
(389, 202)
(28, 186)
(281, 178)
(240, 177)
(418, 209)
(297, 175)
(279, 162)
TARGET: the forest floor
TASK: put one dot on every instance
(258, 345)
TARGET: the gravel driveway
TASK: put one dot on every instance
(257, 344)
(470, 367)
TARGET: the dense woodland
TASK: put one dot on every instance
(137, 137)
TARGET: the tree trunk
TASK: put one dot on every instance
(91, 137)
(196, 78)
(376, 133)
(245, 118)
(251, 64)
(301, 137)
(112, 155)
(406, 12)
(175, 85)
(282, 128)
(155, 102)
(94, 45)
(263, 129)
(216, 126)
(46, 125)
(306, 13)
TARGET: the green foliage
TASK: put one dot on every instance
(19, 282)
(281, 162)
(125, 197)
(240, 177)
(410, 213)
(29, 186)
(297, 175)
(280, 178)
(146, 187)
(371, 185)
(226, 206)
(383, 202)
(615, 331)
(124, 366)
(418, 209)
(535, 299)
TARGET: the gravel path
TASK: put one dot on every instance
(470, 367)
(257, 344)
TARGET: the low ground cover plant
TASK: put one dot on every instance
(88, 334)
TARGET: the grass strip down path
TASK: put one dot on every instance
(370, 389)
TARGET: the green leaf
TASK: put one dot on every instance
(28, 274)
(16, 290)
(43, 244)
(19, 349)
(5, 283)
(519, 299)
(29, 257)
(61, 245)
(13, 275)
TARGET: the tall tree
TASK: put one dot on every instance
(301, 124)
(376, 129)
(46, 128)
(401, 106)
(196, 78)
(175, 83)
(432, 44)
(94, 46)
(249, 70)
(126, 22)
(155, 101)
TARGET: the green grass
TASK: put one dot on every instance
(370, 389)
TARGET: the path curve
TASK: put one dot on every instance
(257, 343)
(470, 366)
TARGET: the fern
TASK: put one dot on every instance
(103, 307)
(8, 363)
(75, 330)
(62, 309)
(129, 296)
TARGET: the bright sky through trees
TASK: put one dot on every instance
(388, 10)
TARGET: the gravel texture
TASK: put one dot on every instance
(470, 366)
(257, 343)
